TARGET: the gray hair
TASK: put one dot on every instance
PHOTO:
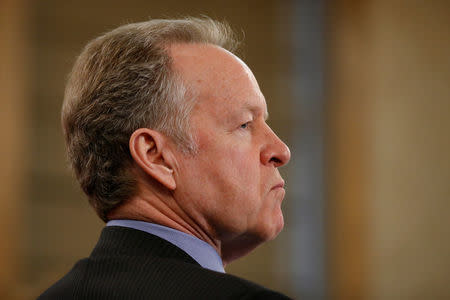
(122, 81)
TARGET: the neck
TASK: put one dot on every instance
(163, 210)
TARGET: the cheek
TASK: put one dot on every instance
(243, 167)
(220, 157)
(229, 169)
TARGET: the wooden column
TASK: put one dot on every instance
(347, 148)
(13, 137)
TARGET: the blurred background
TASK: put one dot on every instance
(359, 90)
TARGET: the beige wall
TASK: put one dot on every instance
(410, 189)
(390, 73)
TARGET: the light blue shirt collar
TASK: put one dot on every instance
(199, 250)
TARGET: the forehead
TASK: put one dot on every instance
(220, 78)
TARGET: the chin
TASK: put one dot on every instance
(275, 227)
(271, 231)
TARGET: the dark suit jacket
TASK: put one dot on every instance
(132, 264)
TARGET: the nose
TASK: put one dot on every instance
(275, 152)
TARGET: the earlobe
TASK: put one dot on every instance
(148, 147)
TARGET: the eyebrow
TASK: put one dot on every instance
(255, 110)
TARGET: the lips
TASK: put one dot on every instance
(278, 185)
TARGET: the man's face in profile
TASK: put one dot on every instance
(232, 183)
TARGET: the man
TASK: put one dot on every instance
(165, 129)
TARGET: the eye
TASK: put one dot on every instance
(245, 125)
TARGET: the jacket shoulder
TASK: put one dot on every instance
(131, 264)
(137, 278)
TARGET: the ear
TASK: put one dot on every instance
(149, 150)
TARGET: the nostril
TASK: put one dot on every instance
(275, 160)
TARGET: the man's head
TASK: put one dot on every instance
(122, 81)
(189, 148)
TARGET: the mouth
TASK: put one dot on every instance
(279, 185)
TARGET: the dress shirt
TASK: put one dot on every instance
(199, 250)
